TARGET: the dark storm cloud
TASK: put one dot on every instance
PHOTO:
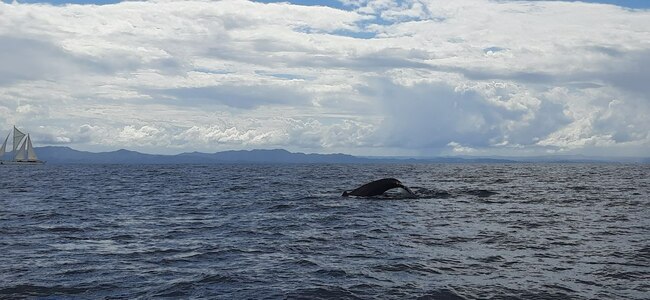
(431, 115)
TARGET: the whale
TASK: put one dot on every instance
(377, 188)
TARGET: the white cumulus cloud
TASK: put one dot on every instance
(380, 76)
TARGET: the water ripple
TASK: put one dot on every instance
(498, 231)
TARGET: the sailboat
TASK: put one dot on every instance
(23, 151)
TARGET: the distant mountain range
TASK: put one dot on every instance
(66, 155)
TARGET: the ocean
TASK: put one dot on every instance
(244, 231)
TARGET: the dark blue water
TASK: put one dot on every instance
(498, 231)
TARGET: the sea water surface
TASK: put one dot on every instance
(494, 231)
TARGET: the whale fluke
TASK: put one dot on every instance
(377, 188)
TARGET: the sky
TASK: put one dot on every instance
(364, 77)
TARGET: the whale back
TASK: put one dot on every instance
(375, 188)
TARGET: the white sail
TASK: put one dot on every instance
(20, 153)
(18, 136)
(4, 146)
(31, 155)
(23, 150)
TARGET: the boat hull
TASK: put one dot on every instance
(22, 162)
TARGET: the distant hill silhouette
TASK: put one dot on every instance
(66, 155)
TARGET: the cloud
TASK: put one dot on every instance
(434, 115)
(244, 133)
(390, 77)
(236, 96)
(628, 71)
(600, 119)
(30, 59)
